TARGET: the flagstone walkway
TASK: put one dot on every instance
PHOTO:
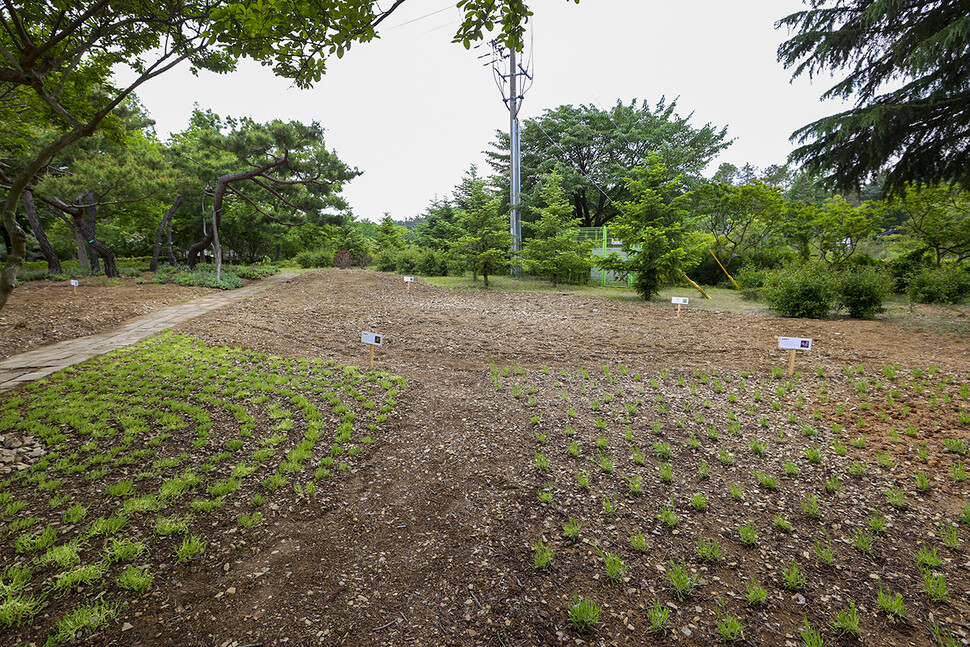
(35, 364)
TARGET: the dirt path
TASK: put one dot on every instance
(431, 543)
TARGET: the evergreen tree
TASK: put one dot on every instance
(485, 241)
(906, 66)
(553, 251)
(389, 234)
(659, 240)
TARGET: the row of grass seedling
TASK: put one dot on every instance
(147, 449)
(836, 473)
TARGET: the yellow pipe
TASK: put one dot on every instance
(736, 287)
(698, 288)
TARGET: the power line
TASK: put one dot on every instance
(427, 15)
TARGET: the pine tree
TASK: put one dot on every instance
(485, 241)
(658, 238)
(553, 251)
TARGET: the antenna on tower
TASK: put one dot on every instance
(513, 80)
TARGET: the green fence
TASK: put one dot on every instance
(604, 244)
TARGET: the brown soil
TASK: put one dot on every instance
(430, 543)
(40, 313)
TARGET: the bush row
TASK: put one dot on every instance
(326, 258)
(812, 291)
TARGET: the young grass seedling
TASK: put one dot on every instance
(658, 615)
(748, 533)
(638, 542)
(755, 594)
(810, 636)
(682, 581)
(543, 554)
(584, 614)
(794, 578)
(571, 529)
(891, 604)
(708, 550)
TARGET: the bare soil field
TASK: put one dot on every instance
(40, 313)
(524, 412)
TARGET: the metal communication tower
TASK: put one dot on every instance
(513, 80)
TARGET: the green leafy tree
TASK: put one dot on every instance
(660, 242)
(740, 218)
(553, 250)
(59, 59)
(484, 241)
(939, 217)
(904, 64)
(595, 150)
(837, 228)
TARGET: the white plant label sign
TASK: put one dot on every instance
(794, 343)
(372, 338)
(680, 300)
(409, 279)
(74, 282)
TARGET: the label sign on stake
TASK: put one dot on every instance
(373, 339)
(679, 301)
(793, 344)
(74, 284)
(409, 280)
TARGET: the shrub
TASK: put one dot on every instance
(318, 258)
(862, 291)
(749, 277)
(343, 259)
(252, 272)
(386, 260)
(229, 280)
(948, 285)
(407, 261)
(805, 291)
(430, 263)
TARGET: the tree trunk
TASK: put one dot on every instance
(18, 239)
(90, 232)
(82, 249)
(216, 247)
(110, 269)
(278, 251)
(171, 256)
(220, 193)
(53, 263)
(485, 277)
(165, 223)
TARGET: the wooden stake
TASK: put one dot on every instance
(372, 356)
(678, 309)
(791, 363)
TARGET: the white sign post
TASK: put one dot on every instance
(373, 339)
(409, 280)
(680, 301)
(793, 344)
(74, 284)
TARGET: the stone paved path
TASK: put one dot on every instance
(35, 364)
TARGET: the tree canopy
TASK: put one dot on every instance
(594, 150)
(60, 58)
(905, 65)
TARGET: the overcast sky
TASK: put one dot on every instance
(414, 111)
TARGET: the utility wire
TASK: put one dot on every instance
(427, 15)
